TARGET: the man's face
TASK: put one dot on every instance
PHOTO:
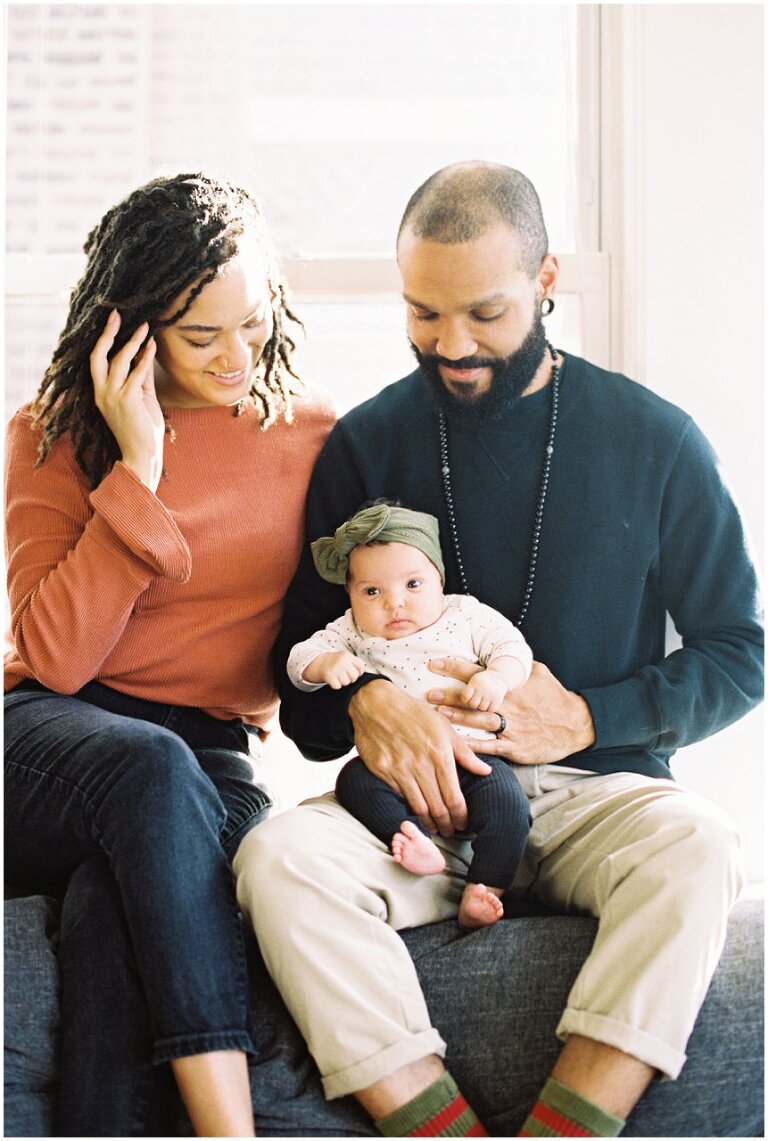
(473, 316)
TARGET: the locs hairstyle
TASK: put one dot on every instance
(166, 236)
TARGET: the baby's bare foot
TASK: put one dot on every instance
(479, 906)
(415, 851)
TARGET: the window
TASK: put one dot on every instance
(334, 113)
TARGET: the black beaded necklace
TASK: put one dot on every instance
(543, 485)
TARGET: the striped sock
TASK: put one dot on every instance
(561, 1112)
(438, 1111)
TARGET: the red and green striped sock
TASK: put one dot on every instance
(561, 1112)
(438, 1111)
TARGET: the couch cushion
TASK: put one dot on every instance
(31, 1015)
(496, 995)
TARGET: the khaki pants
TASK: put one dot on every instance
(658, 865)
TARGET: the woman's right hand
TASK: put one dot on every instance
(124, 390)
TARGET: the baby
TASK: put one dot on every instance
(399, 619)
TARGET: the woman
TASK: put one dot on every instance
(155, 493)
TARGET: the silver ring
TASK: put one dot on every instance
(502, 724)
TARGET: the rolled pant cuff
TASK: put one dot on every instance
(639, 1044)
(185, 1045)
(382, 1064)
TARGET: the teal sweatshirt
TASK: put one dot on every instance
(639, 523)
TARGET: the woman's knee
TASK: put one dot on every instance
(154, 775)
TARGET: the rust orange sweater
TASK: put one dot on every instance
(175, 596)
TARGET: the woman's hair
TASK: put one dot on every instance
(147, 250)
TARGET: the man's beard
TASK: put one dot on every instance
(511, 377)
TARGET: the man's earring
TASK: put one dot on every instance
(547, 305)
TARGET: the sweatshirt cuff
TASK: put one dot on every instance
(623, 714)
(319, 722)
(142, 523)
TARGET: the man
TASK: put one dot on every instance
(584, 508)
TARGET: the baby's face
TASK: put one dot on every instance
(394, 590)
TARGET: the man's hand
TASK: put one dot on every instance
(337, 668)
(409, 746)
(545, 721)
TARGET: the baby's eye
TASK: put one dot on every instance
(414, 583)
(371, 591)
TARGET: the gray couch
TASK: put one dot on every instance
(496, 995)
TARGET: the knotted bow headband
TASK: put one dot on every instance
(385, 523)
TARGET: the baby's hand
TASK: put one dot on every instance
(486, 691)
(335, 669)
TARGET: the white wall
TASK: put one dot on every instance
(684, 166)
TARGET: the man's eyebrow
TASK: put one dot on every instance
(494, 299)
(413, 301)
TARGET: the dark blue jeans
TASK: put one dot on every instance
(132, 810)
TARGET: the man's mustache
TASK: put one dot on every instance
(464, 362)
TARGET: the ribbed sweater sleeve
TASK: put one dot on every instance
(140, 522)
(78, 562)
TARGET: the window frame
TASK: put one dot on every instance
(351, 280)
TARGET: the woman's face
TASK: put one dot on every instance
(208, 357)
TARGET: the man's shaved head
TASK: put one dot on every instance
(460, 202)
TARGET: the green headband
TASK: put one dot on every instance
(382, 522)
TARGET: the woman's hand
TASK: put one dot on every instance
(413, 750)
(544, 721)
(124, 390)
